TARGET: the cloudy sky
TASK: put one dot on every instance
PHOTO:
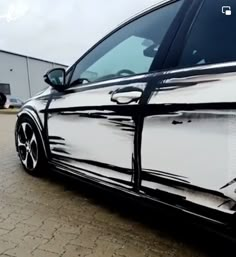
(61, 30)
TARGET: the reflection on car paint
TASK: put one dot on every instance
(190, 130)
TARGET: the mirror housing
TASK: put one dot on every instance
(56, 78)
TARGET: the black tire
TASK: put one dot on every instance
(30, 147)
(3, 100)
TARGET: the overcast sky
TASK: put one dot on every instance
(61, 30)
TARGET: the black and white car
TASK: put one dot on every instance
(150, 110)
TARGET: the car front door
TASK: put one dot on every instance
(188, 142)
(92, 126)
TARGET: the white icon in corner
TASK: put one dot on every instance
(227, 10)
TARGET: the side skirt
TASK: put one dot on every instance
(197, 212)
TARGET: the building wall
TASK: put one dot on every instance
(36, 71)
(13, 71)
(24, 74)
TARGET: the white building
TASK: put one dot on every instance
(22, 76)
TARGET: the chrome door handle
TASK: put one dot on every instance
(124, 96)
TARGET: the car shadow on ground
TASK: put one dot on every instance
(194, 235)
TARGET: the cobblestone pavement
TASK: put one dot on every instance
(53, 216)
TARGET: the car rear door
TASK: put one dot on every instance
(189, 133)
(93, 125)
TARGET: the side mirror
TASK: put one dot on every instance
(56, 78)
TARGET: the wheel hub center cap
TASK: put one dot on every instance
(28, 148)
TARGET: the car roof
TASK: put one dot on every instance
(144, 11)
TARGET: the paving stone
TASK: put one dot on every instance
(6, 245)
(26, 247)
(18, 233)
(87, 237)
(58, 242)
(41, 253)
(46, 230)
(76, 251)
(132, 250)
(105, 248)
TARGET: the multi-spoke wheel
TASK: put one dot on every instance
(29, 146)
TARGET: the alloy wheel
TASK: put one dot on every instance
(27, 146)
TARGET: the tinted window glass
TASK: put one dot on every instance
(128, 51)
(212, 38)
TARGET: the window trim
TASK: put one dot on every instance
(171, 32)
(178, 44)
(69, 73)
(160, 59)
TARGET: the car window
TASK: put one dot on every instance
(212, 38)
(5, 88)
(128, 51)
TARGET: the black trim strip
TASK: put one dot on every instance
(95, 163)
(123, 110)
(158, 109)
(162, 174)
(67, 166)
(179, 184)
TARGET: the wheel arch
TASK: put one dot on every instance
(32, 114)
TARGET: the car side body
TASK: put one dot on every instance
(165, 132)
